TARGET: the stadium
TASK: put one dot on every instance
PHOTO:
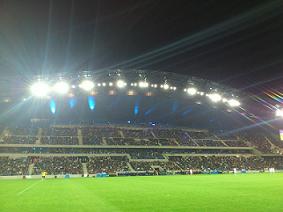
(109, 125)
(108, 114)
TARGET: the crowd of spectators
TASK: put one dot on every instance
(137, 133)
(132, 142)
(154, 148)
(204, 163)
(275, 139)
(31, 131)
(227, 163)
(235, 143)
(257, 140)
(114, 150)
(118, 136)
(93, 136)
(158, 137)
(208, 142)
(60, 140)
(112, 164)
(13, 166)
(146, 154)
(14, 139)
(153, 165)
(59, 131)
(107, 164)
(57, 165)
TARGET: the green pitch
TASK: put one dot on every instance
(250, 192)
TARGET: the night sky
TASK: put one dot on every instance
(238, 43)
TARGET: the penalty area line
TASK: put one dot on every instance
(28, 188)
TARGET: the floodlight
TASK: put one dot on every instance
(192, 91)
(215, 97)
(165, 86)
(143, 84)
(61, 87)
(121, 84)
(234, 103)
(86, 85)
(110, 84)
(279, 113)
(131, 93)
(40, 89)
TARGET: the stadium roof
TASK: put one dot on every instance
(233, 44)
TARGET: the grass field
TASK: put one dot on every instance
(250, 192)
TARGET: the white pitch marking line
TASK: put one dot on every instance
(26, 189)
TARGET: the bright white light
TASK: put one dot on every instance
(279, 113)
(165, 86)
(143, 84)
(40, 89)
(215, 97)
(121, 84)
(61, 87)
(103, 84)
(87, 85)
(110, 84)
(224, 100)
(154, 85)
(192, 91)
(234, 103)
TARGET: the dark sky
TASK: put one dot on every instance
(238, 43)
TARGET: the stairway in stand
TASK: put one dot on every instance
(85, 172)
(30, 169)
(80, 137)
(39, 136)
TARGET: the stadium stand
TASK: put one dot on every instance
(115, 149)
(107, 164)
(13, 166)
(57, 165)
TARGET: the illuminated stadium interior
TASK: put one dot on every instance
(141, 106)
